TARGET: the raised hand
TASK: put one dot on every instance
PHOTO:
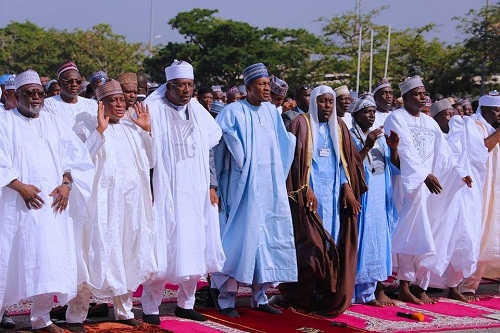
(102, 121)
(373, 136)
(143, 119)
(392, 140)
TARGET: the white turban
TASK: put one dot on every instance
(492, 99)
(364, 101)
(179, 70)
(27, 77)
(410, 83)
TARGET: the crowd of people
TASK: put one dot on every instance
(108, 185)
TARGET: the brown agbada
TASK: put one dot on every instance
(327, 271)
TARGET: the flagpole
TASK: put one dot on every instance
(371, 62)
(359, 58)
(387, 53)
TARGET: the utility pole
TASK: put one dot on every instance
(151, 31)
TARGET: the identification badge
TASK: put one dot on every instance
(324, 152)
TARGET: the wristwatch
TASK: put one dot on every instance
(69, 184)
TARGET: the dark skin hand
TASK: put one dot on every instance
(29, 194)
(349, 201)
(312, 202)
(371, 138)
(393, 142)
(433, 184)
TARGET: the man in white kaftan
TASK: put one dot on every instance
(188, 236)
(427, 167)
(42, 165)
(488, 122)
(384, 96)
(68, 105)
(458, 230)
(115, 243)
(253, 160)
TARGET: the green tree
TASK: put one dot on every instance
(220, 49)
(481, 48)
(25, 45)
(410, 52)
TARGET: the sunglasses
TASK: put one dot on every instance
(33, 93)
(71, 81)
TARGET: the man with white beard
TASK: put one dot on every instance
(43, 165)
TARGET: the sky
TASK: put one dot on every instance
(132, 18)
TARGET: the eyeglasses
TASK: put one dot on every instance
(183, 85)
(71, 81)
(33, 93)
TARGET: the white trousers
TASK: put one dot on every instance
(40, 310)
(471, 283)
(409, 269)
(152, 294)
(229, 289)
(78, 307)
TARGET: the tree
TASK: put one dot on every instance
(220, 49)
(410, 52)
(481, 49)
(25, 45)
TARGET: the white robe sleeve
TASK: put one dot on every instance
(7, 170)
(87, 132)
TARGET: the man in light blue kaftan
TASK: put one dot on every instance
(256, 225)
(378, 215)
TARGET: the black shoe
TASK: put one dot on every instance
(189, 314)
(267, 308)
(75, 327)
(130, 322)
(153, 319)
(98, 310)
(7, 322)
(230, 312)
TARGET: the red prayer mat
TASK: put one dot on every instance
(254, 321)
(446, 314)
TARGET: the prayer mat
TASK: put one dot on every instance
(446, 314)
(180, 325)
(169, 296)
(289, 321)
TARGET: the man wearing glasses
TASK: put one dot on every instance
(188, 237)
(68, 105)
(43, 167)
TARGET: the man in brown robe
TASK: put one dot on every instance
(327, 271)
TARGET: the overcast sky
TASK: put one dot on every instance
(132, 18)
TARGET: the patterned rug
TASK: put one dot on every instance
(169, 296)
(446, 314)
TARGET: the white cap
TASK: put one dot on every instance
(440, 106)
(179, 70)
(410, 83)
(27, 77)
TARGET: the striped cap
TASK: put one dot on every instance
(127, 78)
(9, 84)
(99, 75)
(278, 86)
(108, 88)
(66, 67)
(384, 83)
(254, 72)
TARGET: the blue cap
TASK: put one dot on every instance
(4, 78)
(100, 75)
(254, 72)
(217, 106)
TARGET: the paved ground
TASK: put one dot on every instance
(23, 322)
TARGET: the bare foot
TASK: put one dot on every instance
(421, 294)
(470, 296)
(453, 293)
(383, 299)
(405, 294)
(374, 302)
(51, 329)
